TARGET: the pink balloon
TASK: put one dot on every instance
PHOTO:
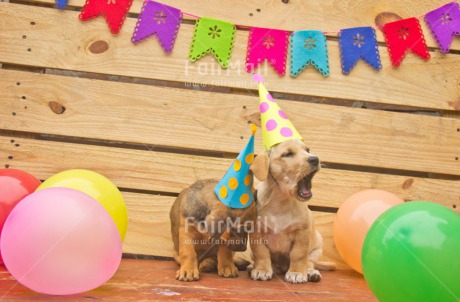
(60, 241)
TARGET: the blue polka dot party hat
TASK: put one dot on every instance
(276, 127)
(235, 188)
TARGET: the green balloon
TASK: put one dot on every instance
(412, 253)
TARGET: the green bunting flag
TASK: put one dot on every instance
(213, 35)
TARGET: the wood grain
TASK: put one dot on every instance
(218, 122)
(170, 173)
(146, 280)
(329, 15)
(433, 84)
(149, 227)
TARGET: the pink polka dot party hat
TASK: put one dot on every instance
(235, 188)
(276, 127)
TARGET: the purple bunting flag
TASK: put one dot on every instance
(160, 20)
(444, 24)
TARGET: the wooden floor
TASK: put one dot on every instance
(142, 280)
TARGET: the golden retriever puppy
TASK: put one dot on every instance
(287, 240)
(206, 232)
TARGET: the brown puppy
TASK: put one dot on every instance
(205, 232)
(288, 241)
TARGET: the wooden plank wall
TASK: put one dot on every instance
(74, 96)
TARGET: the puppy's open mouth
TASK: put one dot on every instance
(304, 187)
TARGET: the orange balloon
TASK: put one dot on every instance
(354, 219)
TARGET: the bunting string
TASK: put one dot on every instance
(306, 47)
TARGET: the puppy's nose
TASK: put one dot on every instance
(313, 160)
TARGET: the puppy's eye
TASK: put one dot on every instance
(287, 154)
(308, 150)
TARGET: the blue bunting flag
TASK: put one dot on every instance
(358, 43)
(61, 4)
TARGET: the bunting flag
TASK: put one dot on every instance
(403, 36)
(358, 43)
(267, 44)
(61, 4)
(308, 47)
(114, 11)
(213, 35)
(159, 20)
(444, 24)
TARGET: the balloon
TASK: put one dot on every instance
(353, 220)
(60, 241)
(411, 254)
(14, 186)
(96, 186)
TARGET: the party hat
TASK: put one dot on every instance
(276, 127)
(235, 188)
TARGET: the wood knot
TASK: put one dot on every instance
(56, 107)
(386, 17)
(253, 118)
(408, 183)
(455, 105)
(99, 47)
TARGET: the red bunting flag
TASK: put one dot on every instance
(267, 44)
(114, 11)
(403, 36)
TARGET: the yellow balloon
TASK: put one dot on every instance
(97, 186)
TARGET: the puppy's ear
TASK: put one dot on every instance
(260, 166)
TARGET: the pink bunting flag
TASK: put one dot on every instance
(267, 44)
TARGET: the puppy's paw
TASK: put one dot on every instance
(314, 275)
(188, 274)
(228, 271)
(249, 269)
(208, 265)
(264, 275)
(296, 277)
